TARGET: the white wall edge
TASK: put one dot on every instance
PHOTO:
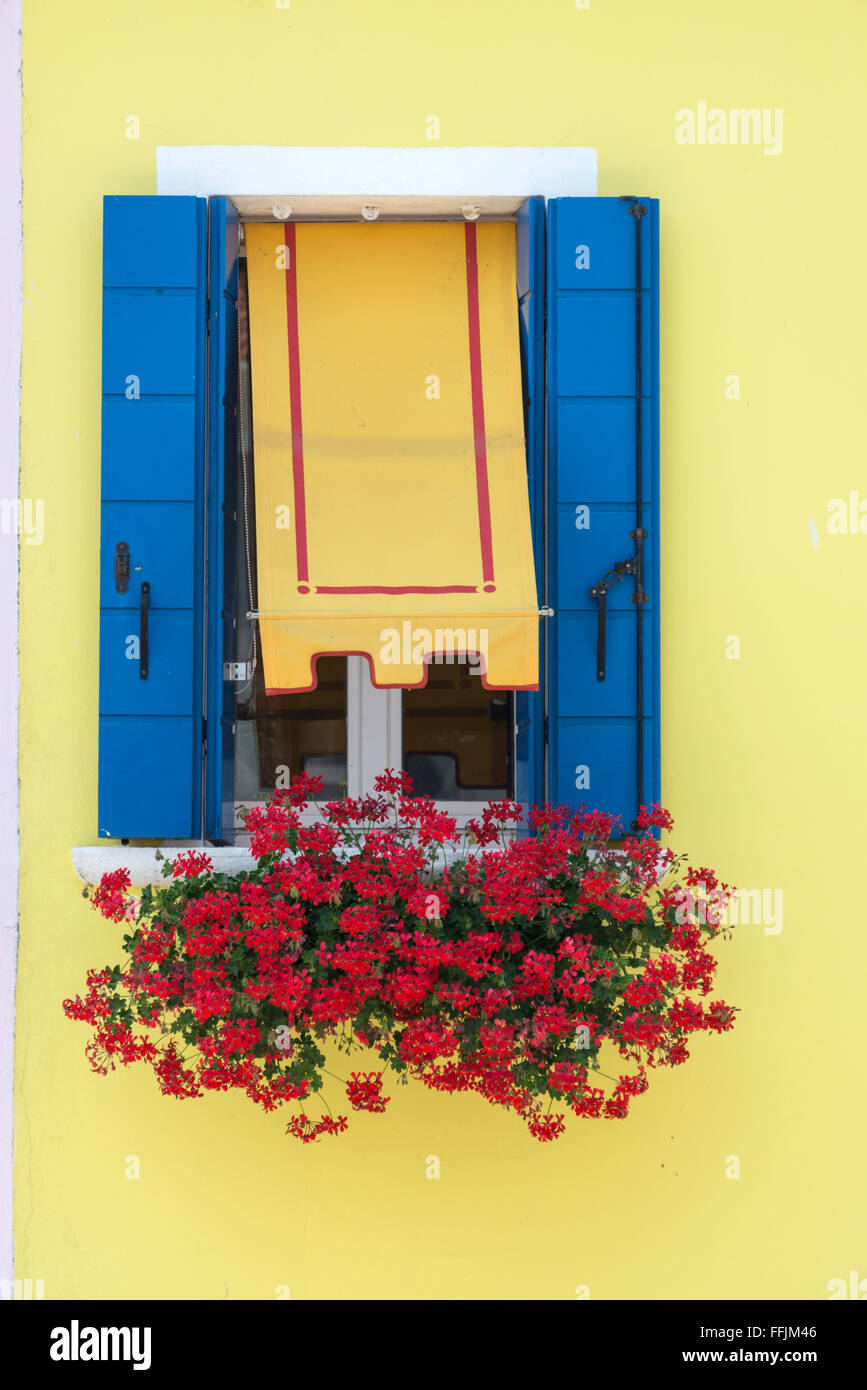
(428, 171)
(11, 245)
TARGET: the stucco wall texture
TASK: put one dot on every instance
(762, 753)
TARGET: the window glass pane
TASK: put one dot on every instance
(280, 735)
(276, 736)
(457, 736)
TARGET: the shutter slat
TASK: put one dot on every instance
(153, 422)
(149, 451)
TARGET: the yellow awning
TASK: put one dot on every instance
(392, 514)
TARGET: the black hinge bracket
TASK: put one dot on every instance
(636, 209)
(121, 567)
(600, 591)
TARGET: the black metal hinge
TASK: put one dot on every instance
(620, 569)
(121, 567)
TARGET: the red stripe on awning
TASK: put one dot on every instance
(480, 442)
(295, 406)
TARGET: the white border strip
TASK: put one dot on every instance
(487, 171)
(10, 389)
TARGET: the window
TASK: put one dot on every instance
(186, 724)
(452, 736)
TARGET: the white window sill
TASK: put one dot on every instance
(92, 861)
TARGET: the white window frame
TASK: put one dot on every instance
(374, 741)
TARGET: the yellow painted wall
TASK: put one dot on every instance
(763, 757)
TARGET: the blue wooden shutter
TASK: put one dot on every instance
(223, 235)
(529, 705)
(153, 436)
(592, 415)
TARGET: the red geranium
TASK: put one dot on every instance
(490, 962)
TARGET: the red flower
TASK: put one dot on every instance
(364, 1092)
(547, 1128)
(108, 898)
(302, 788)
(393, 783)
(654, 815)
(308, 1131)
(190, 864)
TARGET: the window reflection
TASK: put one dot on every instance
(456, 736)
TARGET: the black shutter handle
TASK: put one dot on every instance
(599, 595)
(143, 630)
